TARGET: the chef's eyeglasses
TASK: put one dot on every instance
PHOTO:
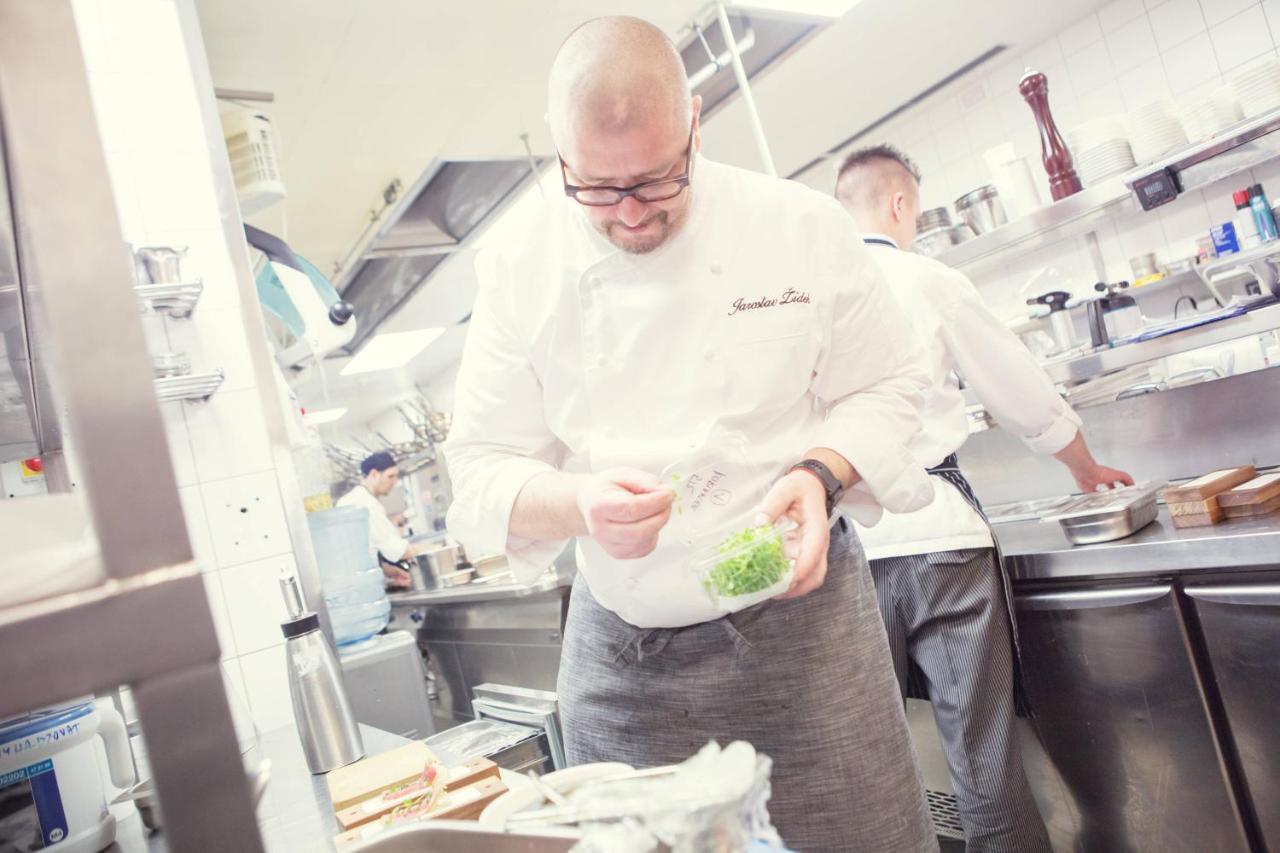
(647, 192)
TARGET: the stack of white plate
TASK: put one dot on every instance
(1104, 160)
(1258, 88)
(1154, 131)
(1210, 113)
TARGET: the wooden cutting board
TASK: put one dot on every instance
(1202, 488)
(384, 803)
(466, 803)
(369, 777)
(1250, 510)
(1196, 513)
(1257, 491)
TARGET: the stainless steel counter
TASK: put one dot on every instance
(474, 592)
(1038, 550)
(295, 816)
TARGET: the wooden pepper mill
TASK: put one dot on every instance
(1063, 180)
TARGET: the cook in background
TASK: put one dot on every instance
(942, 592)
(670, 295)
(379, 475)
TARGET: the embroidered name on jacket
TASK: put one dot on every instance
(788, 297)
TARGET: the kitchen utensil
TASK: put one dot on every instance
(1144, 264)
(1257, 87)
(370, 777)
(327, 728)
(982, 210)
(1054, 154)
(167, 364)
(1259, 496)
(458, 578)
(1195, 513)
(1060, 322)
(427, 568)
(463, 804)
(49, 777)
(1209, 485)
(1154, 131)
(936, 241)
(162, 264)
(936, 217)
(1106, 516)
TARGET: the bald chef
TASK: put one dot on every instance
(667, 298)
(942, 591)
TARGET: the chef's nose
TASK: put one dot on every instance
(632, 212)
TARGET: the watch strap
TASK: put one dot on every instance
(830, 482)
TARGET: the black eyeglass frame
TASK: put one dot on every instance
(681, 182)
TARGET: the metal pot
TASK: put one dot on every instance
(982, 209)
(163, 264)
(428, 567)
(937, 217)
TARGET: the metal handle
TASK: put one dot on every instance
(1255, 594)
(1091, 598)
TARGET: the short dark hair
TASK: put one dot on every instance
(871, 153)
(379, 461)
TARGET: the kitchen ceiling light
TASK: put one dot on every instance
(813, 8)
(323, 416)
(390, 350)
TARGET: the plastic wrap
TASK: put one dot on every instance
(716, 802)
(478, 739)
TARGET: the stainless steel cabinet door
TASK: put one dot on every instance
(1129, 761)
(1241, 627)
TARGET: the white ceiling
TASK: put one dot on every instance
(370, 91)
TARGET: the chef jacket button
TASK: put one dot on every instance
(593, 280)
(715, 269)
(709, 354)
(601, 361)
(632, 584)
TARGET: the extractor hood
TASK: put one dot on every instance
(763, 38)
(421, 228)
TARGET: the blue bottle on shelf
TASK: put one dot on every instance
(1262, 214)
(349, 573)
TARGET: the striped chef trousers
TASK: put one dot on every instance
(946, 613)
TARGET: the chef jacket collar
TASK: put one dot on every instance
(879, 240)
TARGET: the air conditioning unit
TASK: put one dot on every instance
(251, 145)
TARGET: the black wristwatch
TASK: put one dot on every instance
(830, 482)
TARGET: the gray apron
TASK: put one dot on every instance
(808, 682)
(949, 469)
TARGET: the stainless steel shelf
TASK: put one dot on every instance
(177, 299)
(195, 387)
(121, 631)
(1105, 361)
(1072, 216)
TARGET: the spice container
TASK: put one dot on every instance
(745, 565)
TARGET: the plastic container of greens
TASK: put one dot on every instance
(744, 564)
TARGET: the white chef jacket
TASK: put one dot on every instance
(383, 535)
(962, 337)
(763, 315)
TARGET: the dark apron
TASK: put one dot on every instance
(949, 469)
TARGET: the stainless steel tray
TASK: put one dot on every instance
(1107, 516)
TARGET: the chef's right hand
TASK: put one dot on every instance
(624, 510)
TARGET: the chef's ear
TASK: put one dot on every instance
(696, 109)
(897, 203)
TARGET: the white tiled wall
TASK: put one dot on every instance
(148, 116)
(1120, 57)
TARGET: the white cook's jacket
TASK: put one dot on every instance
(962, 337)
(383, 535)
(763, 315)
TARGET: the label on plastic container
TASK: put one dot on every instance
(1224, 239)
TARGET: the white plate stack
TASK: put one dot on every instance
(1100, 149)
(1258, 88)
(1206, 115)
(1154, 131)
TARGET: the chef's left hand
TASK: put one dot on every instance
(800, 496)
